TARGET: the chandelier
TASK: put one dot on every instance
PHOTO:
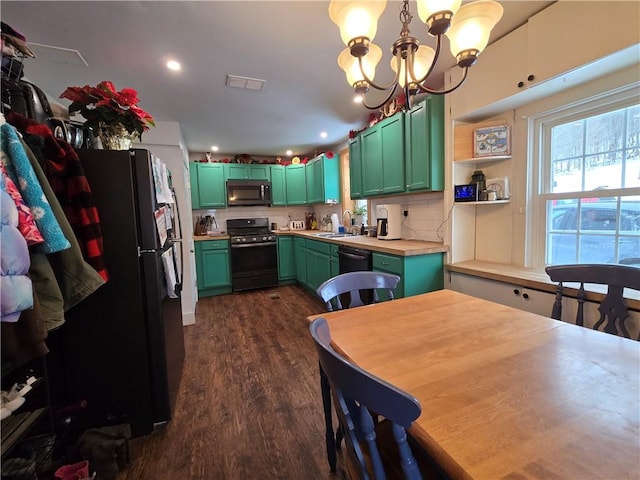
(467, 27)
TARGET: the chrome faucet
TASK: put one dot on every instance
(347, 212)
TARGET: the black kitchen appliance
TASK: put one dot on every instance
(351, 259)
(121, 349)
(254, 254)
(248, 193)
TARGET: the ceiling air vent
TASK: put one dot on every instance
(245, 82)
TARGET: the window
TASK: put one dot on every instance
(588, 198)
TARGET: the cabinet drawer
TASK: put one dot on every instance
(388, 263)
(320, 247)
(214, 244)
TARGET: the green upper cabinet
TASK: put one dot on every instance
(240, 171)
(383, 157)
(355, 167)
(295, 179)
(323, 180)
(424, 145)
(207, 185)
(278, 186)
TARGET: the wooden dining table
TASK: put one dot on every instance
(504, 393)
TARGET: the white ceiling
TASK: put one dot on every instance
(293, 45)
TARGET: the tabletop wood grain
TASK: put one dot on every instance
(504, 393)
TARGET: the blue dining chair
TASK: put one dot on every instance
(357, 285)
(356, 393)
(347, 290)
(613, 309)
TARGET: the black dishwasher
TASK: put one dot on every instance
(352, 259)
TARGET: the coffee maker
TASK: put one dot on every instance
(389, 221)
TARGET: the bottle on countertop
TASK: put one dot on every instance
(362, 229)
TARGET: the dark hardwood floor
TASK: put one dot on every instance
(249, 406)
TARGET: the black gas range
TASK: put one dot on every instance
(254, 254)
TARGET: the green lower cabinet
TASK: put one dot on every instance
(318, 263)
(300, 254)
(333, 259)
(418, 273)
(213, 267)
(286, 260)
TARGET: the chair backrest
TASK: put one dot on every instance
(613, 309)
(353, 282)
(358, 392)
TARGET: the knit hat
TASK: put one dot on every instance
(15, 38)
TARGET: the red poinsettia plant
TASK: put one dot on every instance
(103, 104)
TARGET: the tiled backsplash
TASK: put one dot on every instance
(422, 223)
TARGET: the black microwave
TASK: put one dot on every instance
(248, 192)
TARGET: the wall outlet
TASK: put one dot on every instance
(405, 213)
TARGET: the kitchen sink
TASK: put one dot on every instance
(332, 235)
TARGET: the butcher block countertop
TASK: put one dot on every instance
(404, 248)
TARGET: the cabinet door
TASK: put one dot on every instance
(424, 145)
(567, 35)
(213, 266)
(299, 245)
(311, 181)
(392, 142)
(193, 179)
(483, 85)
(371, 161)
(211, 186)
(286, 258)
(355, 167)
(259, 172)
(334, 261)
(278, 186)
(295, 177)
(236, 171)
(390, 264)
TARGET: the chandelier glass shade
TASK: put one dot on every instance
(467, 28)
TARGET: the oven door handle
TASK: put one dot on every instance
(261, 244)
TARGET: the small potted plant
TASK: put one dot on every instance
(360, 213)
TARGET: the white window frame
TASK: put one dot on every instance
(539, 128)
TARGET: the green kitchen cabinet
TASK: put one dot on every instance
(300, 254)
(213, 267)
(355, 167)
(424, 145)
(295, 178)
(323, 180)
(318, 263)
(278, 186)
(286, 259)
(207, 185)
(334, 261)
(383, 157)
(241, 171)
(418, 273)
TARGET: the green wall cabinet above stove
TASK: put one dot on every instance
(240, 171)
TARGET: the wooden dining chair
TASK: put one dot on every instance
(347, 290)
(354, 283)
(613, 309)
(375, 450)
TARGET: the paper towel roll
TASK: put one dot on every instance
(335, 223)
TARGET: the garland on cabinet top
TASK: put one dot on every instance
(248, 159)
(393, 106)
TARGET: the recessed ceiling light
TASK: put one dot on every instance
(214, 148)
(289, 153)
(323, 134)
(173, 65)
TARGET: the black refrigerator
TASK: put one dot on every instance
(121, 350)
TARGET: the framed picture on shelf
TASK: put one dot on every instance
(490, 141)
